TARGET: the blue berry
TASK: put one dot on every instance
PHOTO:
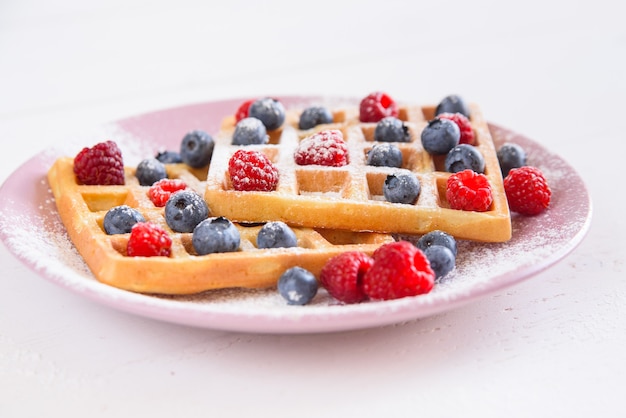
(453, 104)
(297, 286)
(184, 210)
(391, 129)
(276, 235)
(250, 131)
(441, 260)
(313, 116)
(120, 219)
(463, 157)
(270, 111)
(437, 237)
(401, 187)
(169, 157)
(440, 136)
(149, 171)
(215, 235)
(196, 148)
(384, 155)
(511, 156)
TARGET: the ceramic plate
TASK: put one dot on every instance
(32, 231)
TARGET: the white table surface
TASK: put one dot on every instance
(551, 346)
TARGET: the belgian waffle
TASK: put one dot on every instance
(82, 209)
(350, 197)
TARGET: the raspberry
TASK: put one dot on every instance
(527, 190)
(467, 133)
(148, 240)
(160, 192)
(342, 276)
(323, 148)
(400, 269)
(469, 190)
(101, 164)
(376, 106)
(252, 171)
(243, 110)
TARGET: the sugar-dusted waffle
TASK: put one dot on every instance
(82, 209)
(351, 197)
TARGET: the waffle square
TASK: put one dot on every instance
(82, 209)
(350, 197)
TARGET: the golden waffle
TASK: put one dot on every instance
(82, 209)
(350, 197)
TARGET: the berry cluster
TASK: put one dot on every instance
(395, 270)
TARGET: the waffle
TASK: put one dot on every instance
(82, 209)
(350, 197)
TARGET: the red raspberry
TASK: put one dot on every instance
(467, 133)
(400, 269)
(469, 190)
(148, 240)
(376, 106)
(160, 192)
(323, 148)
(243, 110)
(342, 276)
(252, 171)
(101, 164)
(527, 190)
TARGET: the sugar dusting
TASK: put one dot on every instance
(38, 238)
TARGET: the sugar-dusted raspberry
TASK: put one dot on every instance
(527, 190)
(243, 110)
(252, 171)
(101, 164)
(160, 192)
(148, 240)
(342, 276)
(323, 148)
(469, 190)
(376, 106)
(400, 269)
(467, 133)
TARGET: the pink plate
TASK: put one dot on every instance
(31, 229)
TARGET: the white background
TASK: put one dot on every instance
(554, 71)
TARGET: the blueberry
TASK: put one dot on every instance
(250, 131)
(391, 129)
(463, 157)
(150, 171)
(401, 187)
(215, 235)
(297, 286)
(452, 104)
(441, 260)
(169, 157)
(440, 136)
(313, 116)
(196, 148)
(270, 111)
(184, 210)
(437, 237)
(276, 235)
(510, 156)
(120, 219)
(385, 155)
